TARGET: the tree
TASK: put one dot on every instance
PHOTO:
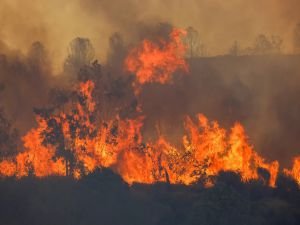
(80, 53)
(38, 60)
(8, 135)
(297, 39)
(276, 42)
(59, 97)
(117, 53)
(234, 49)
(264, 45)
(192, 41)
(64, 128)
(91, 72)
(37, 53)
(113, 94)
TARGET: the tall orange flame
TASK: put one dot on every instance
(295, 171)
(156, 62)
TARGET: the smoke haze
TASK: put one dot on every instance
(219, 22)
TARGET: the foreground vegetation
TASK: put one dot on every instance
(103, 198)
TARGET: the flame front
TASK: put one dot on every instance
(206, 149)
(73, 143)
(295, 171)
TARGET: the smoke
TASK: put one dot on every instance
(56, 22)
(26, 81)
(260, 92)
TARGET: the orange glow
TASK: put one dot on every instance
(74, 143)
(206, 149)
(156, 62)
(36, 159)
(295, 171)
(7, 168)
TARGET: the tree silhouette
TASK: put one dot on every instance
(297, 39)
(59, 97)
(234, 49)
(37, 54)
(81, 53)
(8, 137)
(276, 42)
(192, 41)
(264, 45)
(74, 118)
(116, 54)
(8, 134)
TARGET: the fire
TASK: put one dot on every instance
(156, 62)
(74, 142)
(295, 171)
(70, 143)
(36, 158)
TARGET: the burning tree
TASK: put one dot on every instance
(73, 139)
(63, 129)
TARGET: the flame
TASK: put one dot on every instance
(7, 168)
(74, 143)
(156, 62)
(206, 149)
(36, 158)
(295, 171)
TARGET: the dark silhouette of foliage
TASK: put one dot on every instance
(235, 49)
(8, 134)
(264, 45)
(103, 198)
(8, 137)
(80, 53)
(195, 47)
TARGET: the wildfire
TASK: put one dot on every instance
(295, 171)
(206, 150)
(156, 62)
(36, 158)
(73, 143)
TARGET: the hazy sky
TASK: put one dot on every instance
(219, 22)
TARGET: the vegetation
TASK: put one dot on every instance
(103, 198)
